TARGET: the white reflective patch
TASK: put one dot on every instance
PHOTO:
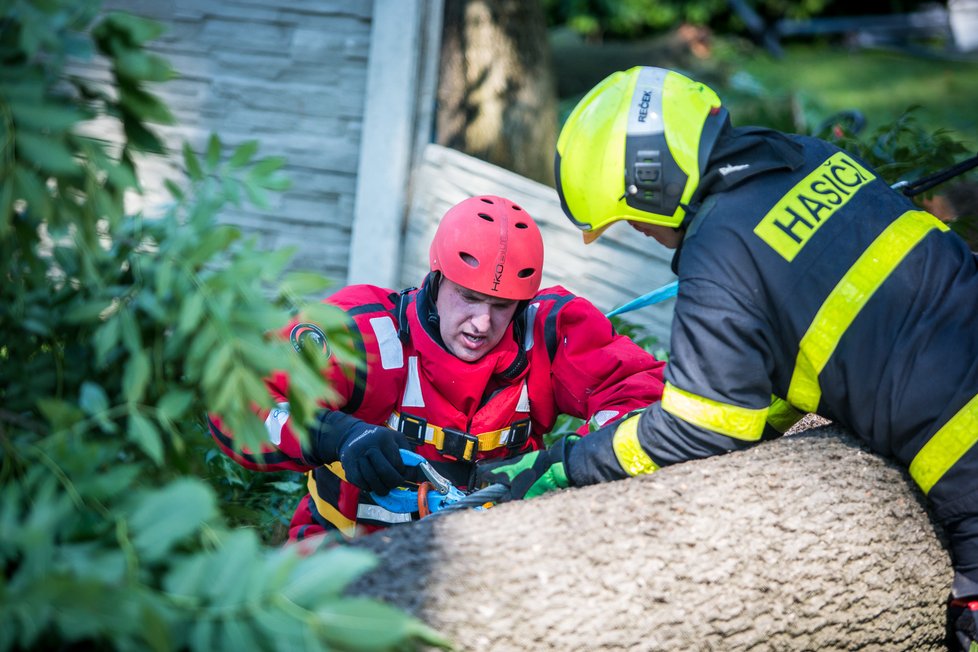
(531, 319)
(275, 421)
(730, 169)
(645, 112)
(524, 403)
(604, 416)
(391, 351)
(378, 513)
(412, 389)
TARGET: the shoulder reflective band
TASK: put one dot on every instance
(848, 298)
(742, 423)
(629, 451)
(946, 447)
(781, 415)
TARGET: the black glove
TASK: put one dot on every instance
(370, 454)
(962, 624)
(529, 475)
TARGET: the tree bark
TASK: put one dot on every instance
(805, 543)
(496, 95)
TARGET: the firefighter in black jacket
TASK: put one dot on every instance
(806, 284)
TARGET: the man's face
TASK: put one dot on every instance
(665, 235)
(471, 323)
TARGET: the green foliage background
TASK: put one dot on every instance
(117, 333)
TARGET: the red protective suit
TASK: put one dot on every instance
(559, 356)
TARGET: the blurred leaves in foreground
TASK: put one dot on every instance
(117, 333)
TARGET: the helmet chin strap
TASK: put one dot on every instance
(432, 320)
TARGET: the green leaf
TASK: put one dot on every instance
(266, 167)
(175, 403)
(243, 154)
(363, 624)
(256, 195)
(46, 116)
(92, 398)
(218, 364)
(277, 183)
(174, 189)
(213, 152)
(87, 311)
(233, 635)
(60, 414)
(326, 575)
(147, 437)
(134, 29)
(47, 153)
(106, 339)
(140, 138)
(304, 283)
(190, 312)
(136, 377)
(130, 331)
(163, 517)
(142, 66)
(192, 163)
(145, 106)
(6, 206)
(31, 188)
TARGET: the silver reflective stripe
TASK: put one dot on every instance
(391, 351)
(524, 402)
(645, 113)
(604, 416)
(275, 421)
(394, 423)
(412, 389)
(378, 513)
(531, 318)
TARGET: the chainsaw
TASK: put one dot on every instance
(436, 494)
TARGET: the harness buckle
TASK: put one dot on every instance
(413, 428)
(519, 432)
(455, 444)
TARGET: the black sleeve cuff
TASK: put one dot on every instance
(592, 459)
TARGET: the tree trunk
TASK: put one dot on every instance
(496, 95)
(805, 543)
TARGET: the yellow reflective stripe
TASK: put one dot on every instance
(946, 447)
(782, 415)
(629, 451)
(722, 418)
(849, 297)
(329, 512)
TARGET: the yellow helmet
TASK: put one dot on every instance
(635, 148)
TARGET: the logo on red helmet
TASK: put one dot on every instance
(305, 334)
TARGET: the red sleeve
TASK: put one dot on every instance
(283, 450)
(599, 374)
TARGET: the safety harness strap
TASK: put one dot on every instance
(455, 443)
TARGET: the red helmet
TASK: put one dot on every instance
(490, 245)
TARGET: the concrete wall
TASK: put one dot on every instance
(290, 73)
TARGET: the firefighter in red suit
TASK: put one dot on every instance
(476, 364)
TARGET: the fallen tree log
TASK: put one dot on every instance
(809, 542)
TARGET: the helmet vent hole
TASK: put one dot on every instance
(469, 259)
(526, 273)
(487, 218)
(521, 225)
(488, 201)
(516, 208)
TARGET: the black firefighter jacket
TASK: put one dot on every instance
(808, 285)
